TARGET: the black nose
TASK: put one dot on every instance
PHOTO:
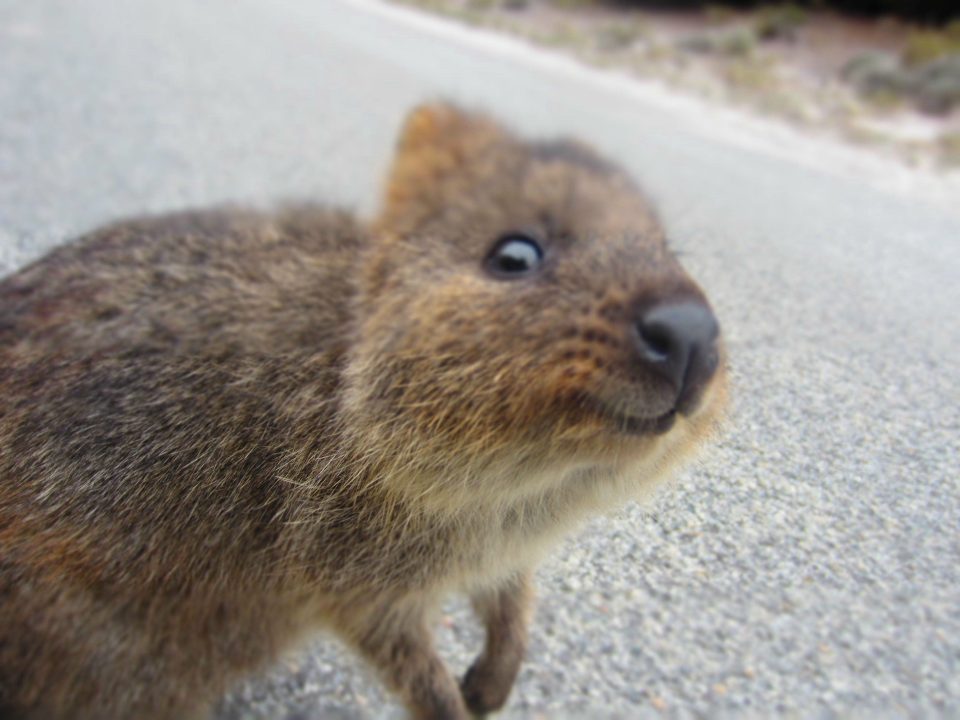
(678, 340)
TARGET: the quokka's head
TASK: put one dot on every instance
(521, 316)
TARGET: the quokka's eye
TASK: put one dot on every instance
(513, 256)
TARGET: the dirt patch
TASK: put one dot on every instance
(884, 84)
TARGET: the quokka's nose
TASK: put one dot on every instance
(678, 340)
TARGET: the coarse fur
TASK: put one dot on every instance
(222, 430)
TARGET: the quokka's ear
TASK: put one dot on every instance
(435, 153)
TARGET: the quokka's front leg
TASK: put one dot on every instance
(505, 612)
(399, 644)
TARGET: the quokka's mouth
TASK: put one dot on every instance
(626, 424)
(687, 406)
(658, 425)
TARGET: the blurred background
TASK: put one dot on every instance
(804, 159)
(880, 74)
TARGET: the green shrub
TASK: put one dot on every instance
(571, 4)
(733, 42)
(875, 73)
(926, 45)
(481, 5)
(780, 22)
(937, 85)
(950, 149)
(621, 35)
(719, 14)
(750, 76)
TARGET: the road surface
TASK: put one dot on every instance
(809, 564)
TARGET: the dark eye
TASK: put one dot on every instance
(514, 255)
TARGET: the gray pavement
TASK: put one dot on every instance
(808, 565)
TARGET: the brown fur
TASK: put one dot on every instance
(222, 430)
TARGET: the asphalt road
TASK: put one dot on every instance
(810, 564)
